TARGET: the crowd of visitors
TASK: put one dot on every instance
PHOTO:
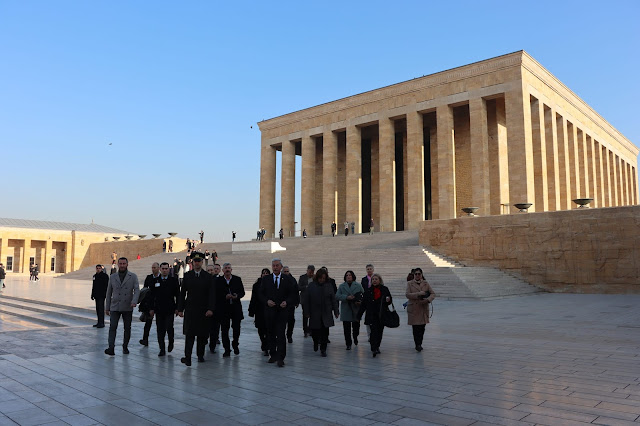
(209, 299)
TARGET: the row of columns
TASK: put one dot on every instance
(541, 158)
(25, 250)
(569, 163)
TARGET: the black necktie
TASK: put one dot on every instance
(277, 285)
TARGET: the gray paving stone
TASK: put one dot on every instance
(78, 420)
(31, 416)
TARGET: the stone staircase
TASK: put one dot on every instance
(393, 255)
(39, 314)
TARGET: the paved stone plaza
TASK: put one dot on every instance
(549, 359)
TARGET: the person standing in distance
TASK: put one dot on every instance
(122, 296)
(149, 282)
(277, 294)
(196, 304)
(99, 293)
(229, 290)
(3, 275)
(164, 297)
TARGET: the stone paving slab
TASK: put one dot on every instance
(551, 359)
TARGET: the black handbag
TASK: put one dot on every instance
(389, 317)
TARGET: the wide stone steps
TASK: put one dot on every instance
(392, 254)
(45, 314)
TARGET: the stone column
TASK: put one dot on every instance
(24, 259)
(308, 185)
(387, 176)
(599, 177)
(68, 254)
(574, 160)
(551, 138)
(608, 179)
(329, 180)
(539, 156)
(46, 259)
(614, 179)
(625, 181)
(503, 156)
(415, 170)
(4, 250)
(636, 189)
(446, 163)
(267, 188)
(480, 156)
(520, 148)
(563, 162)
(354, 177)
(288, 188)
(591, 148)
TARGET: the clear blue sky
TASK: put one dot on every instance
(176, 86)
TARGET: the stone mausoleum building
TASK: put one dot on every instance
(490, 134)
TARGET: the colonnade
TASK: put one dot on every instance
(487, 152)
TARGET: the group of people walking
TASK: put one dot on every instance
(209, 300)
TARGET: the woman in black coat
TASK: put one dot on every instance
(320, 300)
(376, 298)
(256, 310)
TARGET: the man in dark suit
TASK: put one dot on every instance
(292, 309)
(165, 293)
(196, 304)
(303, 283)
(99, 293)
(229, 291)
(149, 283)
(277, 293)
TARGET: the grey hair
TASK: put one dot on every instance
(276, 260)
(225, 264)
(285, 266)
(369, 265)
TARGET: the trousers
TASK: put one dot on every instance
(320, 337)
(291, 322)
(418, 333)
(276, 323)
(147, 327)
(164, 325)
(113, 327)
(225, 324)
(376, 333)
(188, 345)
(99, 310)
(348, 325)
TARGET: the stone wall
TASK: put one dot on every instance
(580, 250)
(101, 252)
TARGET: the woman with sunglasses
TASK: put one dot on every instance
(420, 294)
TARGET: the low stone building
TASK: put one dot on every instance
(56, 247)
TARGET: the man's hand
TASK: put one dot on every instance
(133, 305)
(229, 296)
(388, 299)
(337, 315)
(151, 313)
(181, 314)
(271, 303)
(176, 312)
(209, 313)
(106, 311)
(283, 304)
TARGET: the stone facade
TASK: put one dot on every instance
(489, 134)
(583, 250)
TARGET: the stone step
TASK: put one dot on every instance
(75, 315)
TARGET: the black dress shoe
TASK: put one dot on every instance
(100, 326)
(375, 353)
(162, 352)
(323, 353)
(110, 351)
(280, 363)
(144, 342)
(355, 340)
(272, 360)
(265, 353)
(236, 349)
(306, 334)
(349, 347)
(125, 350)
(186, 361)
(290, 339)
(200, 359)
(226, 354)
(170, 348)
(419, 348)
(95, 325)
(315, 347)
(378, 351)
(212, 350)
(328, 341)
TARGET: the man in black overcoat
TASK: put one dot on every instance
(165, 293)
(229, 291)
(291, 322)
(99, 293)
(149, 283)
(196, 304)
(278, 293)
